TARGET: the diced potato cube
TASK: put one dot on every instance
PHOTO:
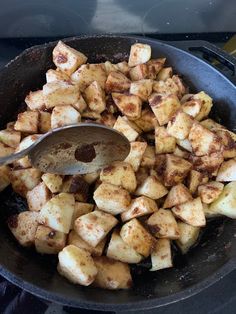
(129, 105)
(228, 142)
(76, 240)
(142, 174)
(136, 153)
(35, 100)
(5, 150)
(191, 212)
(89, 114)
(154, 67)
(210, 191)
(164, 106)
(112, 275)
(93, 227)
(152, 188)
(53, 182)
(78, 186)
(181, 152)
(117, 82)
(64, 115)
(110, 67)
(206, 104)
(192, 107)
(149, 157)
(95, 97)
(89, 73)
(147, 121)
(178, 194)
(210, 212)
(24, 180)
(4, 177)
(179, 126)
(139, 207)
(60, 93)
(56, 75)
(49, 241)
(142, 89)
(123, 126)
(91, 177)
(44, 121)
(123, 67)
(76, 265)
(111, 198)
(164, 74)
(227, 171)
(136, 236)
(176, 170)
(27, 122)
(139, 53)
(203, 141)
(162, 224)
(80, 105)
(211, 125)
(188, 236)
(119, 173)
(164, 142)
(166, 87)
(10, 138)
(80, 210)
(161, 255)
(185, 144)
(58, 211)
(38, 197)
(23, 226)
(226, 202)
(67, 59)
(181, 87)
(209, 163)
(121, 251)
(139, 72)
(107, 119)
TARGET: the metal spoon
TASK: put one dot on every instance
(75, 149)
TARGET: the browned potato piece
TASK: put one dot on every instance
(192, 107)
(64, 115)
(149, 157)
(176, 170)
(139, 72)
(142, 174)
(129, 105)
(95, 97)
(94, 226)
(137, 150)
(44, 121)
(154, 67)
(181, 152)
(147, 120)
(203, 141)
(188, 236)
(123, 67)
(112, 275)
(212, 125)
(23, 226)
(210, 191)
(178, 194)
(179, 126)
(195, 179)
(67, 59)
(27, 122)
(162, 224)
(4, 177)
(164, 74)
(24, 180)
(142, 89)
(38, 197)
(152, 188)
(166, 87)
(111, 198)
(136, 236)
(80, 105)
(209, 163)
(164, 106)
(119, 173)
(76, 240)
(161, 255)
(53, 182)
(191, 212)
(139, 207)
(49, 241)
(121, 251)
(117, 82)
(5, 150)
(228, 142)
(35, 100)
(78, 186)
(227, 171)
(164, 142)
(80, 210)
(10, 138)
(206, 104)
(88, 73)
(139, 53)
(56, 75)
(124, 126)
(77, 265)
(91, 177)
(185, 144)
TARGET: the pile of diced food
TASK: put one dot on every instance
(181, 169)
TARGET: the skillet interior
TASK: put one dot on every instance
(203, 265)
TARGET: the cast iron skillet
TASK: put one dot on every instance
(213, 258)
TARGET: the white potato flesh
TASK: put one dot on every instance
(95, 97)
(27, 122)
(123, 126)
(188, 236)
(53, 182)
(64, 115)
(139, 72)
(137, 150)
(161, 257)
(162, 224)
(164, 74)
(24, 180)
(56, 75)
(206, 104)
(35, 100)
(49, 241)
(76, 265)
(192, 107)
(227, 171)
(93, 227)
(58, 211)
(139, 206)
(38, 197)
(210, 191)
(179, 127)
(178, 194)
(121, 251)
(10, 138)
(142, 89)
(80, 210)
(152, 188)
(164, 142)
(185, 144)
(139, 53)
(191, 212)
(91, 177)
(80, 105)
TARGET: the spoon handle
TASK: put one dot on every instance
(11, 158)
